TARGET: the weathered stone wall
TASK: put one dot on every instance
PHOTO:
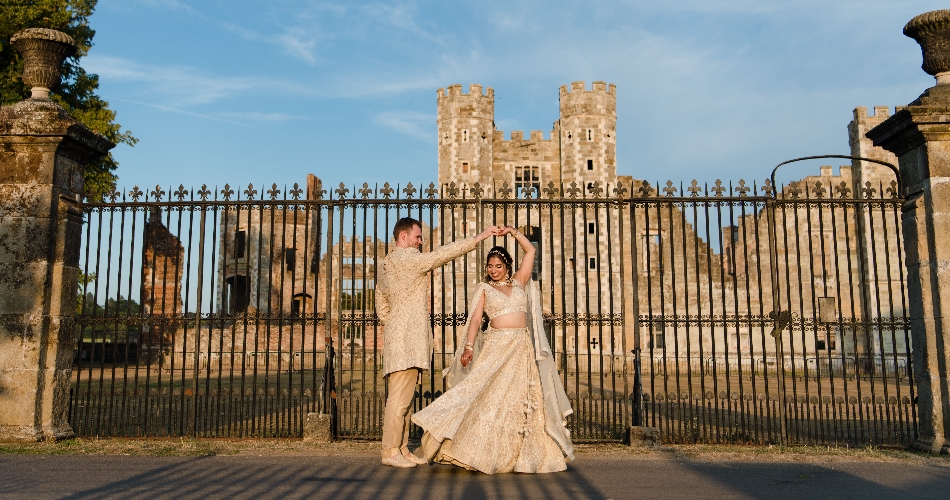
(466, 126)
(162, 270)
(42, 153)
(588, 127)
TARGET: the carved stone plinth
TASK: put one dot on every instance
(919, 135)
(42, 153)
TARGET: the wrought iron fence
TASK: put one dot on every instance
(716, 313)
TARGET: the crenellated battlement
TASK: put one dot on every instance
(581, 86)
(519, 136)
(474, 90)
(863, 122)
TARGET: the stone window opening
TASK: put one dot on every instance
(592, 263)
(591, 228)
(590, 135)
(465, 167)
(239, 294)
(656, 334)
(590, 164)
(299, 304)
(290, 256)
(568, 136)
(465, 136)
(353, 334)
(527, 176)
(240, 242)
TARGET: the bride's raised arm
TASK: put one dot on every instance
(523, 273)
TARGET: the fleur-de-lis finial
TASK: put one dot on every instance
(595, 190)
(203, 193)
(365, 191)
(135, 193)
(819, 190)
(431, 191)
(341, 191)
(409, 190)
(843, 190)
(527, 190)
(452, 191)
(273, 191)
(670, 190)
(768, 188)
(296, 192)
(619, 190)
(250, 192)
(742, 189)
(892, 190)
(868, 191)
(573, 190)
(227, 192)
(794, 191)
(505, 191)
(387, 191)
(645, 189)
(551, 191)
(718, 189)
(114, 195)
(477, 190)
(694, 189)
(158, 192)
(181, 192)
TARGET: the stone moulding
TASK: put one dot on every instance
(43, 51)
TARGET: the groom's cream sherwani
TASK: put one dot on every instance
(402, 303)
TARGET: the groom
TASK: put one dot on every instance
(402, 305)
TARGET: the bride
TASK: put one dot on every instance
(505, 409)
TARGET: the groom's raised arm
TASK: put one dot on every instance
(445, 253)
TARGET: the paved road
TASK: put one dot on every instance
(360, 476)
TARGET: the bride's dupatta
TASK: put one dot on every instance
(556, 404)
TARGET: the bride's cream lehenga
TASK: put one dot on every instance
(506, 411)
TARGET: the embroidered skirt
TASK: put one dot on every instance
(493, 421)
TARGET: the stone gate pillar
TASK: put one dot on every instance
(42, 153)
(919, 134)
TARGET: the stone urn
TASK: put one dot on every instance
(932, 31)
(43, 51)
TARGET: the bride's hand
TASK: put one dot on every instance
(466, 358)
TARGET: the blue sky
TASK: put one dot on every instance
(255, 91)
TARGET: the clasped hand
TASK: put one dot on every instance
(497, 231)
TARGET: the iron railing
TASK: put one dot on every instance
(714, 313)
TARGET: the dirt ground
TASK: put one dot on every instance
(297, 447)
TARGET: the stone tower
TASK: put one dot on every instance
(861, 146)
(588, 128)
(466, 124)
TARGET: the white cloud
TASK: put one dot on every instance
(413, 124)
(260, 117)
(299, 43)
(179, 86)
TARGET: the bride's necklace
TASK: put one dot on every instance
(506, 282)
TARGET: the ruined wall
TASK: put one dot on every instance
(162, 269)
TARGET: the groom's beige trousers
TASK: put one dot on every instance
(402, 386)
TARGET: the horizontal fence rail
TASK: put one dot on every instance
(714, 313)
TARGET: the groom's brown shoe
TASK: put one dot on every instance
(412, 457)
(398, 460)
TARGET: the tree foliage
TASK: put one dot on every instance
(77, 91)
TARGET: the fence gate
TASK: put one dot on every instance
(715, 313)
